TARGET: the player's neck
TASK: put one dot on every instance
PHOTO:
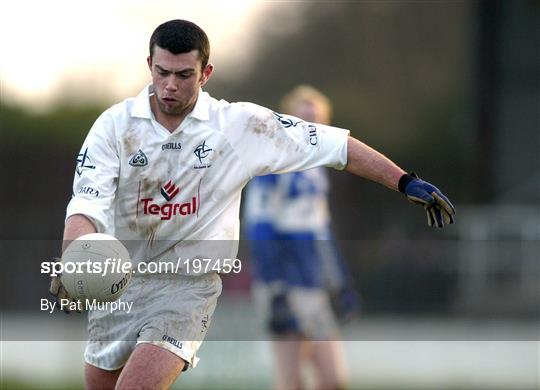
(170, 122)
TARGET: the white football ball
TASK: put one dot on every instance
(96, 266)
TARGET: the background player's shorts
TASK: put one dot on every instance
(171, 311)
(296, 259)
(296, 310)
(301, 283)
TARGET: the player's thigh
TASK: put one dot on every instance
(150, 367)
(313, 312)
(99, 379)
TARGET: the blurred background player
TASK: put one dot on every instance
(301, 282)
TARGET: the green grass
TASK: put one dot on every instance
(19, 384)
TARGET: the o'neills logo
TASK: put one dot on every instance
(168, 210)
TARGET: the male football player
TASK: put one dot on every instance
(164, 172)
(298, 270)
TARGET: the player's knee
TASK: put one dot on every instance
(97, 378)
(147, 380)
(150, 367)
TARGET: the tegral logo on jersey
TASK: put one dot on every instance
(168, 210)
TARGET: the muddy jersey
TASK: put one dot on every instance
(176, 192)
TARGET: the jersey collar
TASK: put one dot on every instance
(202, 107)
(141, 105)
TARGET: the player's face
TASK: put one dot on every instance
(177, 79)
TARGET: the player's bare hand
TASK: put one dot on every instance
(58, 290)
(439, 209)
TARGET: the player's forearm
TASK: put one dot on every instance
(366, 162)
(76, 226)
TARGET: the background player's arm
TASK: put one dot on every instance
(366, 162)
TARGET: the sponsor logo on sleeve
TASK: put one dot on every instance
(286, 121)
(139, 159)
(88, 191)
(313, 138)
(84, 162)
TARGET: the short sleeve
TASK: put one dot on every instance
(269, 142)
(96, 175)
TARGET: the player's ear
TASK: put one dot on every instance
(149, 62)
(207, 72)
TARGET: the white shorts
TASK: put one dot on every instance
(171, 311)
(306, 311)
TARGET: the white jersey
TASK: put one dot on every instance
(169, 191)
(292, 202)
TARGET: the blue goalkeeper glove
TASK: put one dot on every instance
(439, 210)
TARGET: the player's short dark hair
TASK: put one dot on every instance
(181, 36)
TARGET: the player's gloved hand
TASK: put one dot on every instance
(438, 208)
(59, 292)
(345, 303)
